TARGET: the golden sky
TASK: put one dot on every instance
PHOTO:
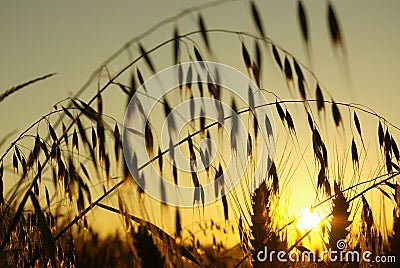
(73, 38)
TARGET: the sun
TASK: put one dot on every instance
(308, 219)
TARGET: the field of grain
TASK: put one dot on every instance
(211, 147)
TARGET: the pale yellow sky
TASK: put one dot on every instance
(73, 38)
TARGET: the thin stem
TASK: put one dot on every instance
(12, 90)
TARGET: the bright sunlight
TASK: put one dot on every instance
(308, 219)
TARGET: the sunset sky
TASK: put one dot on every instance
(73, 38)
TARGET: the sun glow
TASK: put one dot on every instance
(308, 219)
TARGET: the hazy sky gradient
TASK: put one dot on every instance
(73, 38)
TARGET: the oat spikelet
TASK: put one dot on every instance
(189, 78)
(340, 216)
(387, 142)
(290, 122)
(277, 57)
(298, 70)
(303, 21)
(288, 70)
(191, 106)
(75, 140)
(140, 77)
(273, 175)
(357, 124)
(133, 86)
(395, 150)
(310, 121)
(52, 133)
(65, 134)
(191, 149)
(261, 223)
(394, 236)
(198, 56)
(257, 19)
(202, 121)
(99, 104)
(280, 111)
(160, 159)
(320, 99)
(178, 226)
(82, 132)
(358, 127)
(175, 173)
(225, 205)
(47, 197)
(15, 162)
(246, 56)
(147, 59)
(180, 76)
(258, 54)
(380, 134)
(200, 85)
(170, 120)
(85, 171)
(336, 114)
(117, 142)
(268, 126)
(366, 216)
(94, 138)
(334, 28)
(47, 237)
(321, 177)
(176, 45)
(354, 153)
(302, 89)
(1, 184)
(235, 119)
(148, 137)
(203, 31)
(249, 146)
(256, 73)
(67, 112)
